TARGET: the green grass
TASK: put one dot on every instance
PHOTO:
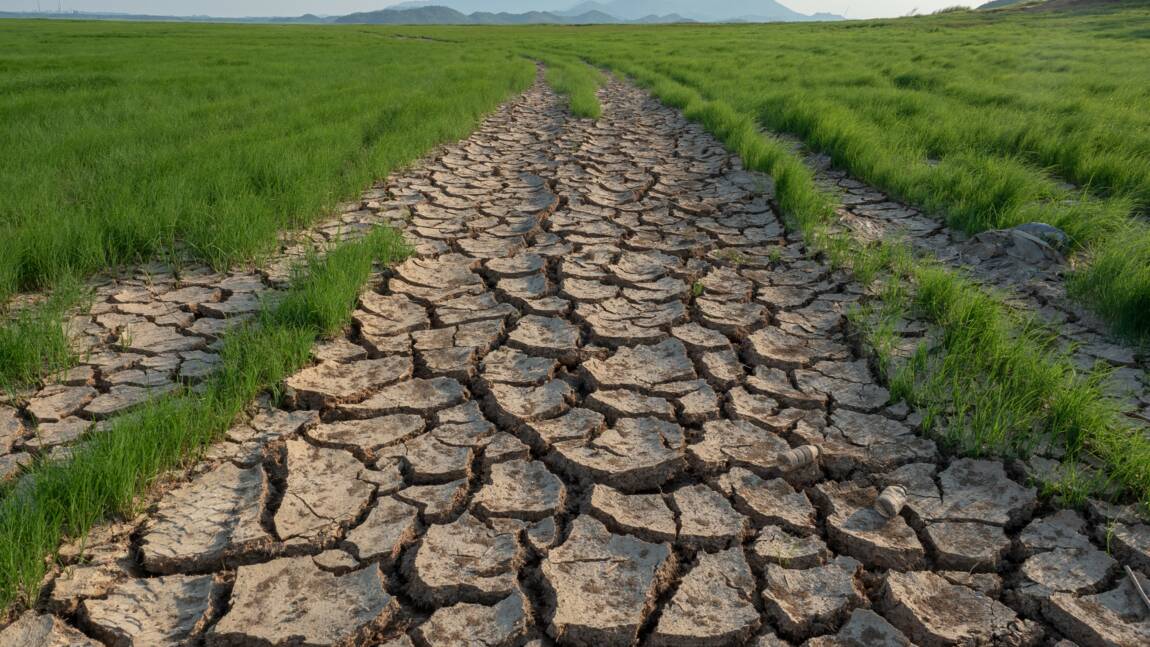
(33, 341)
(124, 141)
(129, 141)
(113, 467)
(576, 80)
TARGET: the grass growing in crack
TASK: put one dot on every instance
(113, 467)
(33, 339)
(576, 80)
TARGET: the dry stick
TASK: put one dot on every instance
(1138, 587)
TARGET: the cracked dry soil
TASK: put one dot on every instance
(560, 422)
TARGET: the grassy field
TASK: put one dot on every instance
(125, 141)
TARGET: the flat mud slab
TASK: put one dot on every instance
(561, 422)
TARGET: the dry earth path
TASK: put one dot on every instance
(566, 421)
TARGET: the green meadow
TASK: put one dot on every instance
(129, 141)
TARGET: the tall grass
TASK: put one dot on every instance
(112, 467)
(34, 339)
(576, 80)
(126, 140)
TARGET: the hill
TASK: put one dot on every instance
(640, 10)
(421, 14)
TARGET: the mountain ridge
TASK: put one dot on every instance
(633, 10)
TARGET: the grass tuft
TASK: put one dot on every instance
(33, 339)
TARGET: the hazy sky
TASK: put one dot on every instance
(849, 8)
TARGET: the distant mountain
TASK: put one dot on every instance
(511, 12)
(422, 15)
(640, 10)
(436, 15)
(310, 19)
(661, 20)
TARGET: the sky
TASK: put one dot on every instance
(848, 8)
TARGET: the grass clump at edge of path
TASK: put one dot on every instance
(998, 385)
(575, 79)
(112, 467)
(33, 339)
